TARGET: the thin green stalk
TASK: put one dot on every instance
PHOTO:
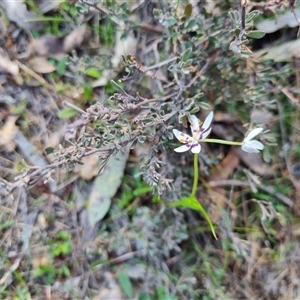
(196, 175)
(221, 142)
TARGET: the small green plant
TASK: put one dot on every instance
(135, 190)
(61, 245)
(22, 293)
(46, 273)
(200, 131)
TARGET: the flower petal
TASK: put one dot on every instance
(195, 127)
(196, 148)
(181, 136)
(205, 134)
(252, 146)
(257, 145)
(253, 133)
(208, 120)
(182, 148)
(249, 149)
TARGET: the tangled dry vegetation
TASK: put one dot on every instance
(89, 94)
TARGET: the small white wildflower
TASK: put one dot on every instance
(252, 146)
(198, 133)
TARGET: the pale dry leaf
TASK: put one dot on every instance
(89, 169)
(218, 194)
(16, 11)
(46, 5)
(262, 117)
(157, 75)
(41, 221)
(279, 21)
(124, 46)
(110, 294)
(212, 8)
(283, 52)
(7, 65)
(41, 65)
(41, 258)
(75, 39)
(29, 151)
(226, 168)
(54, 138)
(57, 47)
(7, 133)
(253, 161)
(29, 221)
(48, 46)
(110, 290)
(217, 201)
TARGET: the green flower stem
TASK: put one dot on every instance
(196, 175)
(192, 202)
(221, 142)
(196, 171)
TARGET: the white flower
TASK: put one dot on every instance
(252, 146)
(198, 133)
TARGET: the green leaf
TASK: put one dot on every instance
(255, 34)
(172, 68)
(266, 155)
(93, 72)
(43, 270)
(157, 12)
(185, 70)
(117, 86)
(105, 187)
(252, 15)
(235, 47)
(7, 224)
(193, 203)
(204, 105)
(144, 296)
(19, 109)
(194, 110)
(49, 150)
(246, 52)
(126, 199)
(140, 191)
(59, 87)
(187, 63)
(190, 25)
(21, 166)
(188, 10)
(66, 271)
(235, 17)
(186, 54)
(67, 113)
(88, 91)
(62, 65)
(126, 284)
(172, 21)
